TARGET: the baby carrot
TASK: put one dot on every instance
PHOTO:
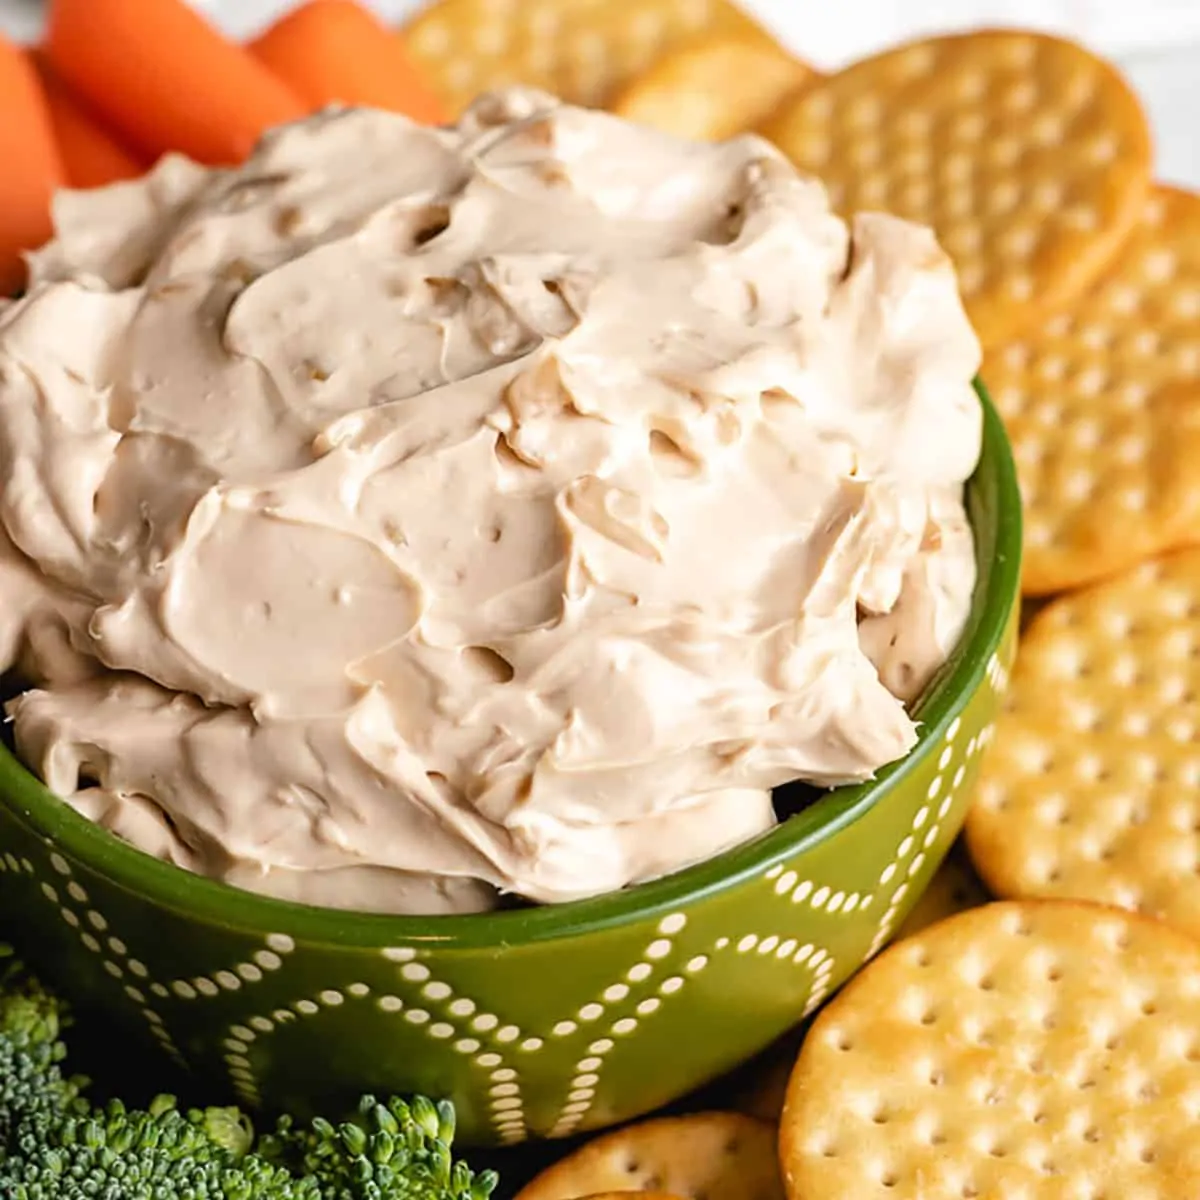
(91, 156)
(335, 51)
(165, 78)
(30, 168)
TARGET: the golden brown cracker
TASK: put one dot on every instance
(713, 88)
(718, 1155)
(1029, 156)
(1092, 787)
(1036, 1049)
(954, 888)
(581, 50)
(1101, 407)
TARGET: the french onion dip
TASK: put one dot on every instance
(414, 516)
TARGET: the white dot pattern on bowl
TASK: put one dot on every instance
(116, 966)
(637, 994)
(906, 865)
(196, 989)
(581, 1090)
(457, 1019)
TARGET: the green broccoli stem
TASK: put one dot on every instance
(55, 1144)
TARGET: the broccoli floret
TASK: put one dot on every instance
(56, 1145)
(33, 1088)
(392, 1151)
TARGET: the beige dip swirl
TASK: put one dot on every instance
(412, 516)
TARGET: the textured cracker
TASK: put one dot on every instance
(720, 1156)
(1101, 406)
(1028, 156)
(1092, 787)
(581, 50)
(953, 889)
(1038, 1050)
(713, 88)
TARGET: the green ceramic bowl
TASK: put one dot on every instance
(540, 1022)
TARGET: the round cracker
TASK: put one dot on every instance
(717, 1155)
(1028, 156)
(953, 889)
(1100, 406)
(581, 50)
(626, 1195)
(1092, 787)
(1039, 1049)
(713, 88)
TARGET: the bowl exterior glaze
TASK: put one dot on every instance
(535, 1024)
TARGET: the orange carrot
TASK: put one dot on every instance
(30, 168)
(335, 51)
(165, 78)
(91, 156)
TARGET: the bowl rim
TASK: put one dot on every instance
(998, 555)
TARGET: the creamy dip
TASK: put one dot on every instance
(412, 516)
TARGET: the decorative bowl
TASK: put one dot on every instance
(539, 1022)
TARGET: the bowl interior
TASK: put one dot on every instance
(993, 503)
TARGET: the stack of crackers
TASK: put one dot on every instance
(1047, 1043)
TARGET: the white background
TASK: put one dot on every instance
(1157, 42)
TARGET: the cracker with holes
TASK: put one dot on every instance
(955, 888)
(717, 1155)
(1027, 155)
(713, 88)
(1101, 407)
(1032, 1049)
(581, 50)
(1092, 788)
